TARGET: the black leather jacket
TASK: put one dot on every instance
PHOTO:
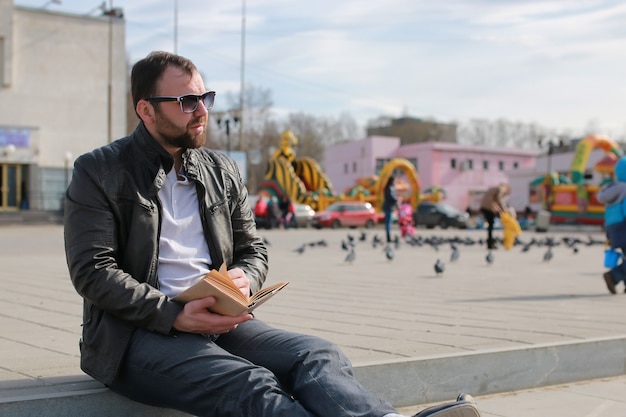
(112, 227)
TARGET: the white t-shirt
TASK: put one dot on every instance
(183, 251)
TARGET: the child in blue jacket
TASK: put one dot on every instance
(613, 196)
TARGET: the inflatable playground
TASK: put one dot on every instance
(570, 199)
(303, 181)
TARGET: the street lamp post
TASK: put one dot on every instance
(68, 160)
(176, 26)
(227, 120)
(243, 58)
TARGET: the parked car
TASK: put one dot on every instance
(348, 214)
(443, 215)
(304, 215)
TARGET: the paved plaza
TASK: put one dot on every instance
(384, 314)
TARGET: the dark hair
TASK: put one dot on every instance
(147, 72)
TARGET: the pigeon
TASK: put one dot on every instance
(322, 243)
(575, 249)
(351, 256)
(439, 267)
(300, 250)
(344, 245)
(376, 241)
(548, 255)
(396, 242)
(363, 237)
(526, 247)
(454, 256)
(433, 244)
(389, 253)
(489, 258)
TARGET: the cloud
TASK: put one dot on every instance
(554, 62)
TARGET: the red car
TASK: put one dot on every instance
(346, 213)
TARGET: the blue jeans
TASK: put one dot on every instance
(254, 370)
(388, 224)
(617, 238)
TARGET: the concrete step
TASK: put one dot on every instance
(19, 217)
(403, 382)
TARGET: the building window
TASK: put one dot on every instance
(354, 167)
(501, 165)
(380, 163)
(453, 163)
(515, 165)
(486, 165)
(345, 168)
(470, 164)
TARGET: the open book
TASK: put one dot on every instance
(230, 300)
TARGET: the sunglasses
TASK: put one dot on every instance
(189, 102)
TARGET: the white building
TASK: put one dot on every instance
(62, 93)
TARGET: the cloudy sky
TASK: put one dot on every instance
(558, 63)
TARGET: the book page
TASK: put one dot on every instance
(230, 301)
(265, 294)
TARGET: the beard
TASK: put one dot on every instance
(180, 137)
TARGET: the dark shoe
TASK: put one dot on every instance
(610, 282)
(466, 398)
(464, 406)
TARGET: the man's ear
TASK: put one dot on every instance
(145, 111)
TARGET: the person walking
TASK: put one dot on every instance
(491, 206)
(149, 215)
(390, 203)
(285, 211)
(613, 196)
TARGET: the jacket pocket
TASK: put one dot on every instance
(216, 207)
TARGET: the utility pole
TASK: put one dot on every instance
(243, 59)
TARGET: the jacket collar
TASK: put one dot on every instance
(160, 160)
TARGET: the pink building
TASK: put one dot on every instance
(464, 172)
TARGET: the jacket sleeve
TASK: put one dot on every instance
(612, 193)
(245, 249)
(96, 257)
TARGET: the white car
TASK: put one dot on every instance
(304, 215)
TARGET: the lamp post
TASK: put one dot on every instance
(227, 120)
(243, 58)
(109, 12)
(176, 26)
(68, 160)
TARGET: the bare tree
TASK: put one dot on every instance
(315, 133)
(505, 133)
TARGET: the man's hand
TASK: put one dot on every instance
(196, 318)
(241, 280)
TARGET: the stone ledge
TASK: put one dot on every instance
(403, 382)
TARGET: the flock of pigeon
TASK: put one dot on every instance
(350, 242)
